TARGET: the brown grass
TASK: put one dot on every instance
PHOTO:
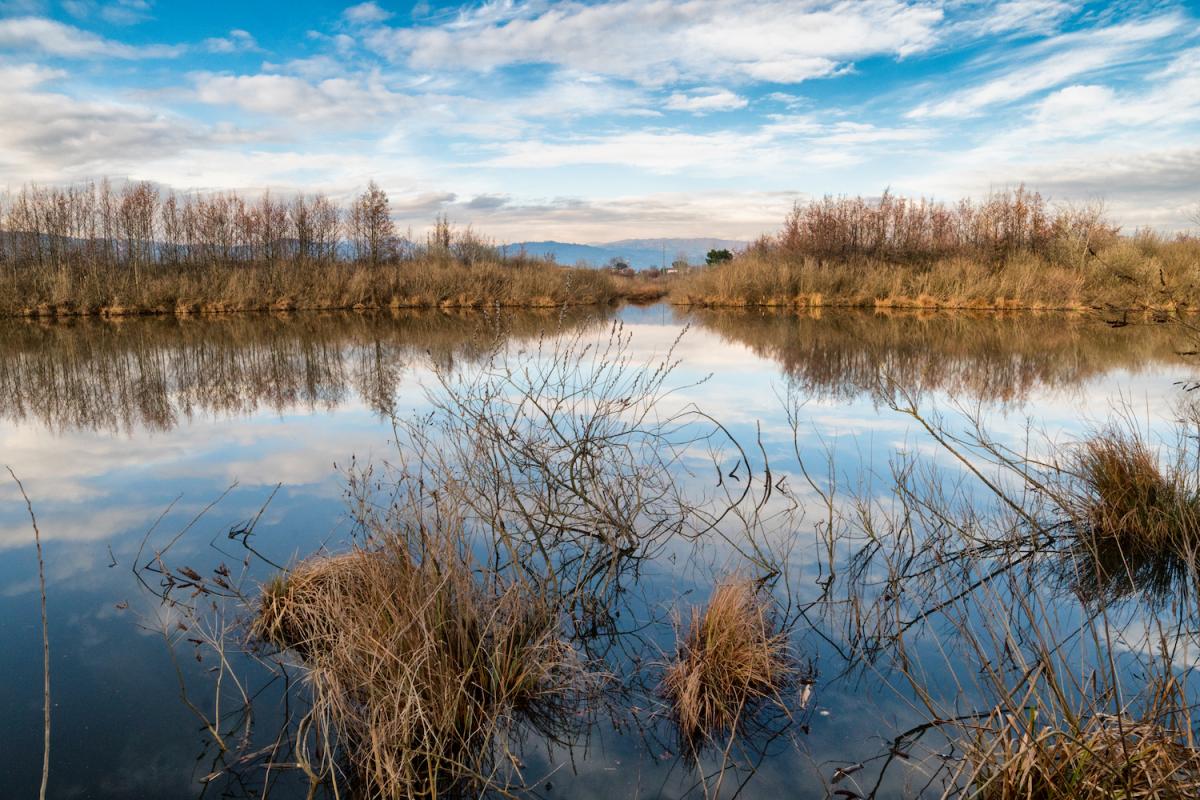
(1109, 756)
(421, 283)
(1136, 519)
(731, 657)
(418, 668)
(1012, 251)
(641, 290)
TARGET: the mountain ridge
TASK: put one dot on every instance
(638, 253)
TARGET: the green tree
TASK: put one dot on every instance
(718, 257)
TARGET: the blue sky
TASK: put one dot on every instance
(592, 121)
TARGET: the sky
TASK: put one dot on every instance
(612, 119)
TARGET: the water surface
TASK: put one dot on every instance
(111, 424)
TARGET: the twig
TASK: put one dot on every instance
(37, 538)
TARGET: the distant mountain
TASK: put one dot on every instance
(639, 253)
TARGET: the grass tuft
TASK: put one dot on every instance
(1136, 520)
(1109, 756)
(418, 668)
(731, 658)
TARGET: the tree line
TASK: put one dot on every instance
(96, 227)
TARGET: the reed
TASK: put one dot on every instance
(417, 664)
(1135, 519)
(1010, 251)
(90, 249)
(731, 657)
(1020, 757)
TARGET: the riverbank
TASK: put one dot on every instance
(1144, 273)
(335, 286)
(1011, 251)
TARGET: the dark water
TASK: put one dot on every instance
(112, 424)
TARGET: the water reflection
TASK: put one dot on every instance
(159, 373)
(200, 403)
(998, 358)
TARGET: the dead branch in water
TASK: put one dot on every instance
(37, 538)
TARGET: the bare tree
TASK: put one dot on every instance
(372, 231)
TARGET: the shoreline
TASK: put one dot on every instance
(881, 307)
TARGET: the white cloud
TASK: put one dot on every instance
(366, 13)
(51, 135)
(728, 214)
(1025, 16)
(1070, 56)
(339, 99)
(121, 12)
(785, 143)
(57, 39)
(237, 41)
(704, 100)
(654, 42)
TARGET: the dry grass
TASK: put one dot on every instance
(1136, 520)
(1010, 252)
(216, 288)
(418, 667)
(641, 290)
(731, 657)
(1110, 756)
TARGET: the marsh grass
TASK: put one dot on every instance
(1018, 757)
(419, 666)
(91, 249)
(731, 657)
(216, 288)
(1135, 519)
(1012, 251)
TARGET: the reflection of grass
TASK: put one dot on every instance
(87, 373)
(992, 356)
(1016, 757)
(730, 657)
(1137, 521)
(416, 666)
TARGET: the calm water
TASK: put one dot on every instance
(111, 424)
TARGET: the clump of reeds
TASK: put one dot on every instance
(1018, 757)
(1136, 519)
(417, 666)
(1013, 250)
(731, 657)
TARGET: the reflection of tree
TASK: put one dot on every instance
(116, 376)
(991, 357)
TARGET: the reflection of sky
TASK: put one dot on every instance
(119, 727)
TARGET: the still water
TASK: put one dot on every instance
(125, 431)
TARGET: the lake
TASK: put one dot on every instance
(124, 432)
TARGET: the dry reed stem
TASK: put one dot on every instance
(1017, 758)
(37, 537)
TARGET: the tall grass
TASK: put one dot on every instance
(417, 664)
(1011, 251)
(731, 657)
(92, 249)
(1136, 520)
(1028, 686)
(1021, 757)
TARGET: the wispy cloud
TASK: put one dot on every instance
(236, 41)
(654, 42)
(569, 116)
(1055, 62)
(704, 100)
(52, 38)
